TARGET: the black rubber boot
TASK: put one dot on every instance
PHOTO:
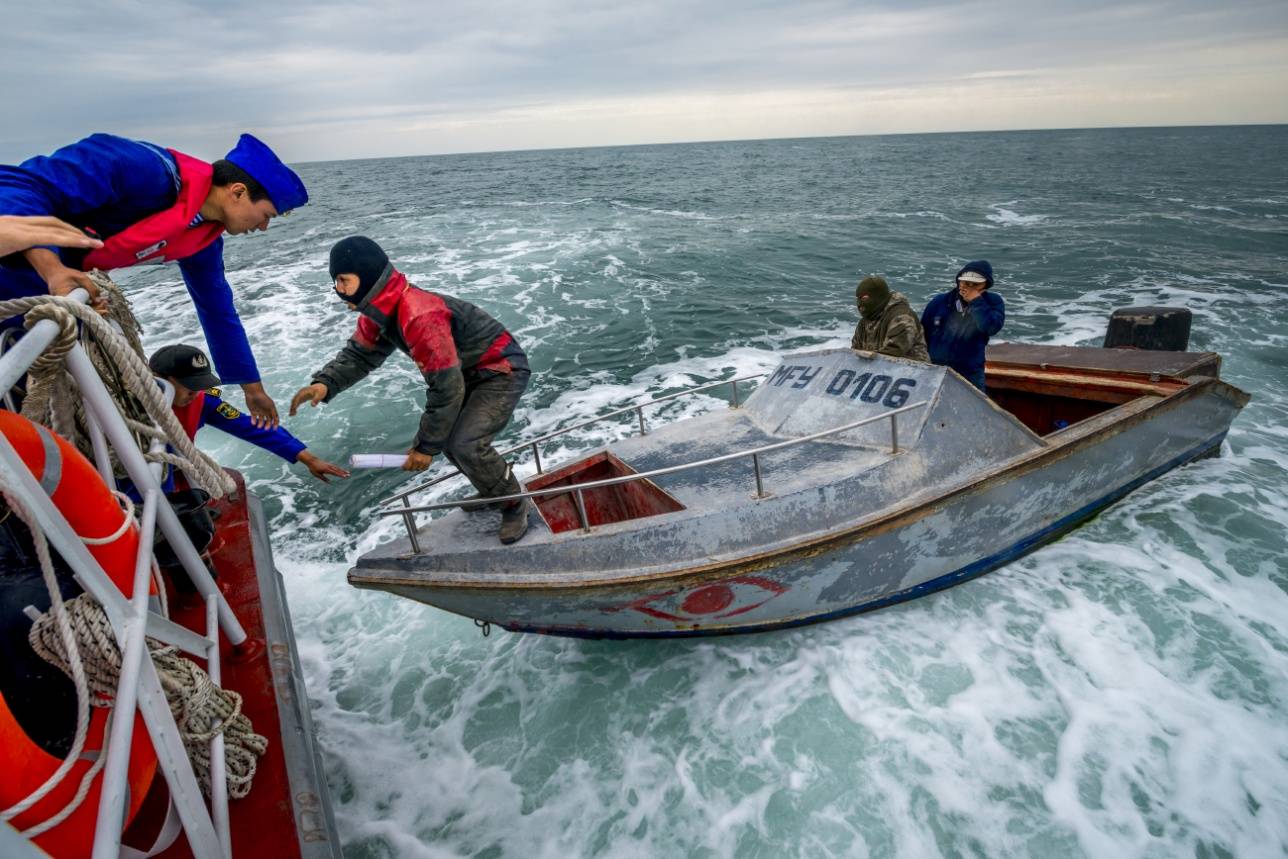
(514, 522)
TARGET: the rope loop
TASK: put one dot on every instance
(128, 505)
(118, 356)
(53, 357)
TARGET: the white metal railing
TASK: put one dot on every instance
(534, 444)
(577, 490)
(139, 686)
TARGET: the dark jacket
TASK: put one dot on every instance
(450, 340)
(895, 332)
(957, 332)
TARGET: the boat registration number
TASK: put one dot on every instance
(865, 387)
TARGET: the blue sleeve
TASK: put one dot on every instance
(101, 171)
(929, 312)
(990, 315)
(220, 415)
(203, 272)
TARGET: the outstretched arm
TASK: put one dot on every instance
(349, 366)
(275, 440)
(20, 232)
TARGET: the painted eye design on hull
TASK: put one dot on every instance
(707, 602)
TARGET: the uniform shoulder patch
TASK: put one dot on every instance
(214, 392)
(227, 410)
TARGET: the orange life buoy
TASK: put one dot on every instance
(91, 509)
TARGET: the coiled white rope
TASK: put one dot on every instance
(200, 708)
(51, 390)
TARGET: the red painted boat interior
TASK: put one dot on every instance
(1045, 413)
(605, 504)
(263, 823)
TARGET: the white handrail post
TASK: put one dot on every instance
(16, 361)
(218, 764)
(100, 404)
(131, 639)
(102, 457)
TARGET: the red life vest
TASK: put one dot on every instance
(164, 236)
(190, 415)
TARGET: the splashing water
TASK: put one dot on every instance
(1118, 693)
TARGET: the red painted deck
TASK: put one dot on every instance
(604, 504)
(263, 823)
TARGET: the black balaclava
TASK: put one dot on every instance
(361, 256)
(877, 292)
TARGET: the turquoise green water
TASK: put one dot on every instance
(1119, 693)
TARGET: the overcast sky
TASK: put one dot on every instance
(394, 77)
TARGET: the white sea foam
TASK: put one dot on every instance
(1005, 217)
(1117, 693)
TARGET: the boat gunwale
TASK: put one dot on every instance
(1053, 450)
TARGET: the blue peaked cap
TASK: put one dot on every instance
(284, 188)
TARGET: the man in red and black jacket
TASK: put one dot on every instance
(474, 370)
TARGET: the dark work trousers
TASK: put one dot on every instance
(490, 399)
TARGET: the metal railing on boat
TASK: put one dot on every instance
(407, 511)
(534, 445)
(139, 686)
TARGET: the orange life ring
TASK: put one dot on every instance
(91, 509)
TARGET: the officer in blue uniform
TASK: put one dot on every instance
(120, 189)
(197, 403)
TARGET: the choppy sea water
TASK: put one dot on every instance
(1121, 692)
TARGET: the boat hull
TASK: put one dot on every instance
(928, 544)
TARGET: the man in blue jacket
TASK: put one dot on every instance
(959, 322)
(197, 403)
(153, 205)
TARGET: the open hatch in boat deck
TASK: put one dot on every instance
(1050, 388)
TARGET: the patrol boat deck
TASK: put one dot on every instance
(847, 481)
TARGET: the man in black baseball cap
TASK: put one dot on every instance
(197, 403)
(186, 365)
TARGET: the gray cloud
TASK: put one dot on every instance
(394, 77)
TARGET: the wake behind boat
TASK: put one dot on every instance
(848, 481)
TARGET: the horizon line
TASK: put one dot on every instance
(803, 137)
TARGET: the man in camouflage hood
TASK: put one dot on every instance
(887, 324)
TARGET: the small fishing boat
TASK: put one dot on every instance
(846, 482)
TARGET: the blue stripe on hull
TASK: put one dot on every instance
(1028, 544)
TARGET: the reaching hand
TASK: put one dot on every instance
(417, 461)
(19, 232)
(63, 281)
(311, 394)
(320, 468)
(263, 411)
